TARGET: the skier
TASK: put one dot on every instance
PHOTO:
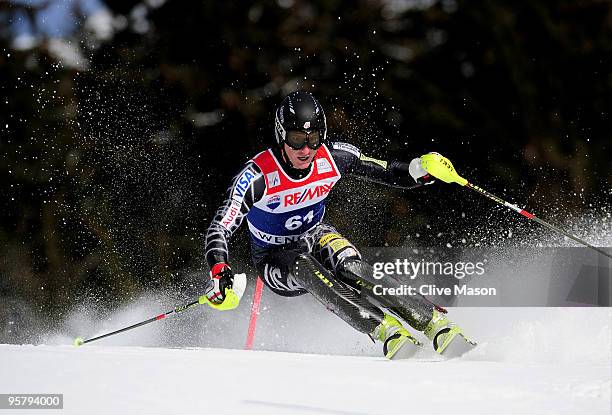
(281, 192)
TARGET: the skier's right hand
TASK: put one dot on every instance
(221, 277)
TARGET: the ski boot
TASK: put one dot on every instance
(448, 338)
(398, 343)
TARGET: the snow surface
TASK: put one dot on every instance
(529, 361)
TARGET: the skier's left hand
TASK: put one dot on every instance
(418, 173)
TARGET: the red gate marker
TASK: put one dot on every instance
(254, 314)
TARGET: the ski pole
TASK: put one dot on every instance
(80, 341)
(441, 168)
(232, 298)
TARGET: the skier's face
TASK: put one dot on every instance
(300, 159)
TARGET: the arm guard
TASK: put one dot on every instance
(350, 160)
(247, 187)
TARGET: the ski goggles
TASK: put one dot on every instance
(297, 140)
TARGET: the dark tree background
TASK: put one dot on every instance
(111, 175)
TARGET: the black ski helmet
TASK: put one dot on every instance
(302, 112)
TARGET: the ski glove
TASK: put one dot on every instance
(221, 277)
(418, 173)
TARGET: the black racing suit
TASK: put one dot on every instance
(338, 277)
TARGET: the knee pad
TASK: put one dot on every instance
(334, 249)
